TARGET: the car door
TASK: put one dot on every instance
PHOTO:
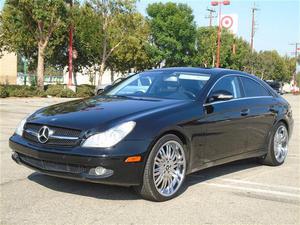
(225, 135)
(261, 113)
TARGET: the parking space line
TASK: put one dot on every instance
(280, 193)
(293, 156)
(261, 184)
(259, 172)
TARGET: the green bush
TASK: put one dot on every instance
(67, 93)
(11, 88)
(54, 90)
(58, 90)
(3, 92)
(83, 91)
(41, 93)
(23, 91)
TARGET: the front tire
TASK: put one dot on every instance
(278, 146)
(165, 170)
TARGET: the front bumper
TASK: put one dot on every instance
(76, 163)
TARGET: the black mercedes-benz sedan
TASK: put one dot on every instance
(154, 128)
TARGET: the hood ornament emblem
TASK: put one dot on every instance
(43, 134)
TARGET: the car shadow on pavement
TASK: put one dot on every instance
(109, 192)
(220, 171)
(88, 189)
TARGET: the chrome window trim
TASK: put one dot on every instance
(235, 99)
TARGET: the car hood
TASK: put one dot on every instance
(99, 112)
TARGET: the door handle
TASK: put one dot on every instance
(245, 112)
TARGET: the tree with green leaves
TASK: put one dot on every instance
(134, 54)
(86, 42)
(115, 23)
(30, 28)
(234, 50)
(173, 32)
(206, 46)
(290, 63)
(121, 48)
(272, 66)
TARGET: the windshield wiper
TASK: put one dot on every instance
(135, 97)
(120, 96)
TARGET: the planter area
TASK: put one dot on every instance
(57, 90)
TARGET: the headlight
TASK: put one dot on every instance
(110, 137)
(20, 128)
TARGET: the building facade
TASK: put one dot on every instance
(8, 68)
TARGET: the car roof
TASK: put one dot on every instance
(212, 71)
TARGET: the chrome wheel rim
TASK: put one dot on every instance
(169, 168)
(281, 143)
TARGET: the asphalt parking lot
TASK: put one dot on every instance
(242, 192)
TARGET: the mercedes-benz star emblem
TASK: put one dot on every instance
(43, 135)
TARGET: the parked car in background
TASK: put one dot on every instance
(154, 128)
(276, 85)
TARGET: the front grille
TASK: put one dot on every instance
(58, 130)
(52, 166)
(60, 136)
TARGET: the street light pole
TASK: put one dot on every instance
(253, 27)
(70, 67)
(215, 3)
(219, 37)
(295, 72)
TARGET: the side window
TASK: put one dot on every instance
(229, 84)
(253, 88)
(134, 83)
(138, 85)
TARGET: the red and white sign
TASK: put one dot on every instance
(230, 22)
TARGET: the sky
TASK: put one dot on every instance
(278, 21)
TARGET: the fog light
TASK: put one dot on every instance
(100, 171)
(15, 156)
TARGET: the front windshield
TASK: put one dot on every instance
(161, 84)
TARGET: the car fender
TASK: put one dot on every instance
(179, 132)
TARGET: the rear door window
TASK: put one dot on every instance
(253, 88)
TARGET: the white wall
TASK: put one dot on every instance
(84, 78)
(8, 68)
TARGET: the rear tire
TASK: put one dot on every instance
(277, 146)
(165, 170)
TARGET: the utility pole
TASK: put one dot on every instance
(70, 66)
(253, 26)
(296, 57)
(211, 15)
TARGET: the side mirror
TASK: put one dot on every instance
(103, 89)
(106, 88)
(221, 95)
